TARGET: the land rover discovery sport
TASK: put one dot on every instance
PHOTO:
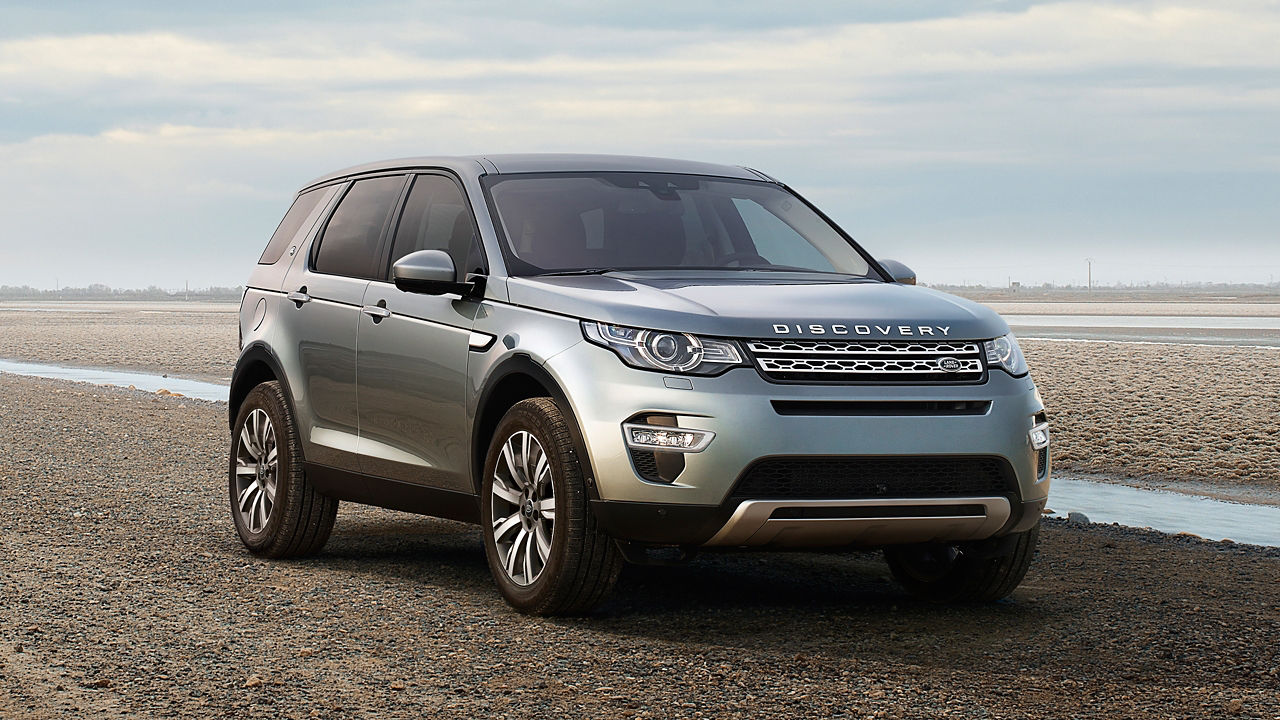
(601, 359)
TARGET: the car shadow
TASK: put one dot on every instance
(842, 604)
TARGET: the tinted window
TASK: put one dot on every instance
(777, 241)
(349, 245)
(289, 226)
(436, 217)
(641, 221)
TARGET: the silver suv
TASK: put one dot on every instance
(603, 358)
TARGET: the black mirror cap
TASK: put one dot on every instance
(902, 274)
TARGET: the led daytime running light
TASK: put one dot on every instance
(666, 439)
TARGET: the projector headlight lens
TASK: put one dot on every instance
(664, 351)
(1004, 353)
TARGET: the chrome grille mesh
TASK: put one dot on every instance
(868, 361)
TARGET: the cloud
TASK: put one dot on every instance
(172, 124)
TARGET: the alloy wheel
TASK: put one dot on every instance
(524, 508)
(257, 466)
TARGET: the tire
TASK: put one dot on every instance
(277, 513)
(946, 573)
(544, 549)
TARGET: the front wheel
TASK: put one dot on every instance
(545, 552)
(948, 573)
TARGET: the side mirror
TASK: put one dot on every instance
(901, 273)
(430, 272)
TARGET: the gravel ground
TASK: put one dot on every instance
(126, 593)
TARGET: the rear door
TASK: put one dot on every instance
(326, 293)
(413, 349)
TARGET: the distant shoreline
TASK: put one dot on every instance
(1249, 294)
(9, 293)
(1208, 293)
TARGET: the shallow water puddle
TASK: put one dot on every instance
(120, 378)
(1166, 511)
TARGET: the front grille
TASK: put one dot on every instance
(927, 361)
(787, 478)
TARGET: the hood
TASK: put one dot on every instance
(760, 305)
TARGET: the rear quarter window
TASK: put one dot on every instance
(289, 226)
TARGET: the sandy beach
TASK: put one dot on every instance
(195, 340)
(1164, 413)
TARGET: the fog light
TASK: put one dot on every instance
(669, 439)
(1040, 436)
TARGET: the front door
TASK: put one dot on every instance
(413, 351)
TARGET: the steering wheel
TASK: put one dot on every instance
(739, 257)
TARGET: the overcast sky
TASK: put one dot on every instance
(150, 143)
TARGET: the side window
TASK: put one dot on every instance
(289, 226)
(436, 217)
(777, 241)
(349, 245)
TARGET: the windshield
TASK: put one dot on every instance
(597, 222)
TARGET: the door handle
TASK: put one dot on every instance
(299, 296)
(377, 313)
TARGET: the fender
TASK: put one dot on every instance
(243, 381)
(523, 364)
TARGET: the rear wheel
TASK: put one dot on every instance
(545, 552)
(277, 513)
(950, 573)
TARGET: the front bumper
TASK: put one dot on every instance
(739, 408)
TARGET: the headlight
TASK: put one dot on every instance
(1004, 353)
(664, 351)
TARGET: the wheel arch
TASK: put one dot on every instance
(512, 380)
(257, 364)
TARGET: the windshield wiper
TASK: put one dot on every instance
(580, 271)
